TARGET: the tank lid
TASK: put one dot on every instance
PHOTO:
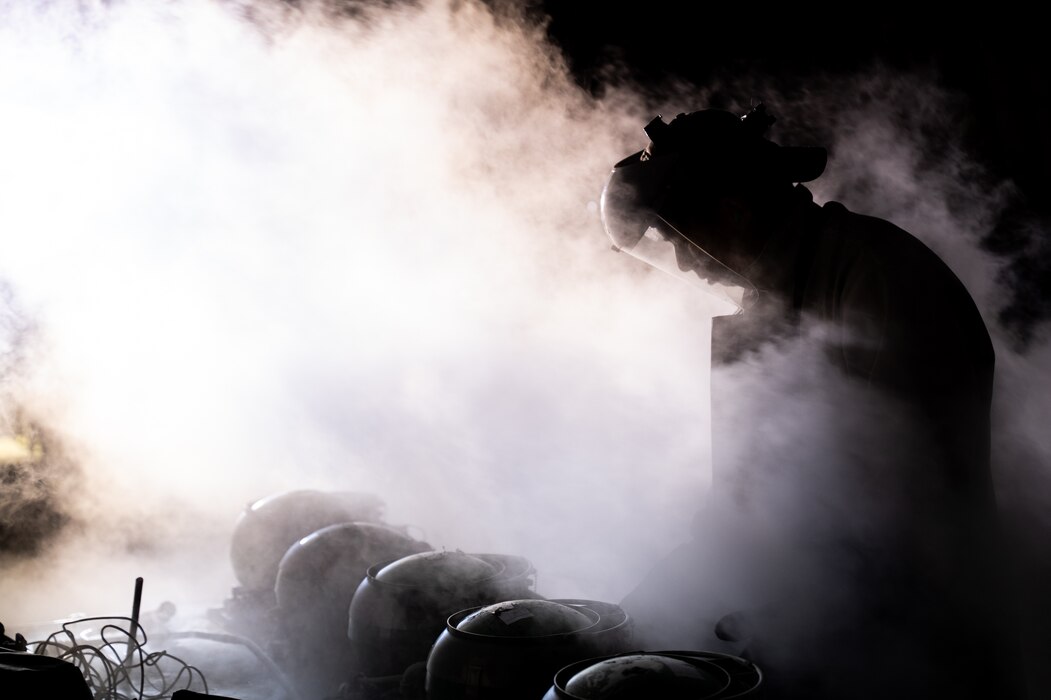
(645, 676)
(437, 569)
(526, 618)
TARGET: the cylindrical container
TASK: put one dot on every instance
(269, 526)
(511, 650)
(615, 631)
(401, 606)
(668, 675)
(316, 580)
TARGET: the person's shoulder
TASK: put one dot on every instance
(878, 249)
(840, 213)
(834, 207)
(866, 229)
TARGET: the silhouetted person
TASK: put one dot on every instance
(712, 200)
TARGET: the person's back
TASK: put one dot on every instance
(897, 319)
(923, 578)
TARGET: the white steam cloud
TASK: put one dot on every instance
(364, 254)
(265, 248)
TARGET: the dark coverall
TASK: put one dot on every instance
(929, 619)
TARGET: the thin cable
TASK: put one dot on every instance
(118, 668)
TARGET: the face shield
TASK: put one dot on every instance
(629, 208)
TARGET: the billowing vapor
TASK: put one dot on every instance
(805, 453)
(258, 247)
(285, 249)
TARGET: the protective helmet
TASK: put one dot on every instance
(708, 151)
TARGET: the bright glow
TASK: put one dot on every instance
(320, 253)
(364, 254)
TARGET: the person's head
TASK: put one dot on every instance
(710, 185)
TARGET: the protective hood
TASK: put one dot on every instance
(697, 154)
(628, 207)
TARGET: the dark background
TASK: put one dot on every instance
(1001, 64)
(998, 65)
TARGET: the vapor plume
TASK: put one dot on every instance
(298, 249)
(267, 246)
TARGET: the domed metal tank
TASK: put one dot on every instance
(668, 675)
(269, 526)
(401, 606)
(316, 581)
(511, 650)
